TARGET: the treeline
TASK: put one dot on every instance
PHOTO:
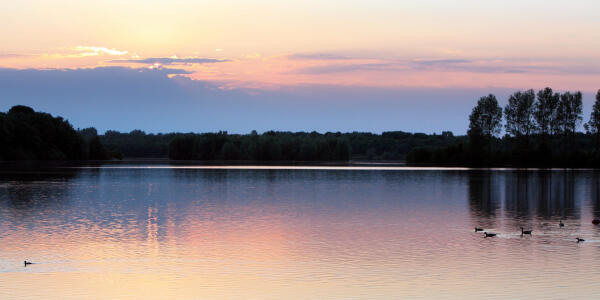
(301, 146)
(540, 131)
(270, 146)
(29, 135)
(395, 145)
(273, 145)
(138, 144)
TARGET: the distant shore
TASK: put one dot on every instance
(540, 132)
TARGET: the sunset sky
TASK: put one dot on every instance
(290, 65)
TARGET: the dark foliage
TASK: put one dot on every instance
(271, 145)
(539, 134)
(29, 135)
(137, 143)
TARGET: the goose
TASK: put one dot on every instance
(27, 263)
(580, 240)
(478, 229)
(489, 234)
(561, 224)
(525, 231)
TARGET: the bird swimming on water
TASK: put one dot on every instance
(580, 240)
(489, 234)
(478, 229)
(561, 224)
(525, 231)
(27, 263)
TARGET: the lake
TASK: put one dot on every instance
(160, 231)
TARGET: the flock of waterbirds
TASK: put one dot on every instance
(530, 232)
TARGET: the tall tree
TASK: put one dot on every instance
(486, 117)
(593, 125)
(519, 113)
(569, 111)
(545, 110)
(485, 122)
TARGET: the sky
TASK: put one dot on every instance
(326, 65)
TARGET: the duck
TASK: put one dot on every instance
(478, 229)
(27, 263)
(580, 240)
(596, 221)
(525, 231)
(561, 224)
(489, 234)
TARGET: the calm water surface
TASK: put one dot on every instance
(131, 232)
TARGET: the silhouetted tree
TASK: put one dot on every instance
(29, 135)
(485, 122)
(21, 109)
(268, 146)
(553, 114)
(569, 112)
(545, 110)
(137, 143)
(486, 117)
(519, 113)
(94, 149)
(593, 125)
(520, 122)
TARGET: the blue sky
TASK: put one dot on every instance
(124, 99)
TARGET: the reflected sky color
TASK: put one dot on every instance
(273, 234)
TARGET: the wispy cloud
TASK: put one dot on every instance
(95, 51)
(170, 60)
(344, 68)
(72, 52)
(12, 55)
(317, 56)
(443, 65)
(171, 71)
(467, 65)
(433, 62)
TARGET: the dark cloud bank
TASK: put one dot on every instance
(170, 60)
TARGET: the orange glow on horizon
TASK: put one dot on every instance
(382, 44)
